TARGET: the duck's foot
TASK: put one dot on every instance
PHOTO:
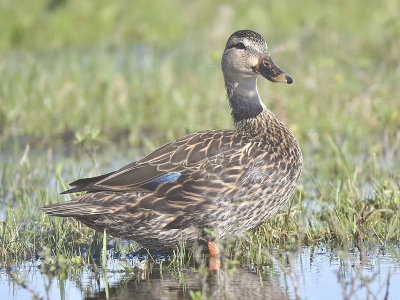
(215, 259)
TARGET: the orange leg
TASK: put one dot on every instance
(215, 260)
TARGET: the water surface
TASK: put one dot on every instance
(317, 271)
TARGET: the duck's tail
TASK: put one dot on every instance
(74, 208)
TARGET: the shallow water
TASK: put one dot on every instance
(317, 271)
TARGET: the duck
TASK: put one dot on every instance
(227, 181)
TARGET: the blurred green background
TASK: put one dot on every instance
(144, 72)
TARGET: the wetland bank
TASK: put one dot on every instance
(76, 106)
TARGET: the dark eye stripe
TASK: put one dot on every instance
(238, 46)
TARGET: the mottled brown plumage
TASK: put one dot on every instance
(224, 180)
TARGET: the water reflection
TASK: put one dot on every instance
(238, 284)
(318, 271)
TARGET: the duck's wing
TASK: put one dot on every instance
(198, 192)
(166, 164)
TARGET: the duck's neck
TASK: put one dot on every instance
(243, 97)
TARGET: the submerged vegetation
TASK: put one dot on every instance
(138, 75)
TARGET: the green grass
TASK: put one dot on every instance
(81, 82)
(344, 63)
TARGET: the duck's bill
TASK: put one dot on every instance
(266, 68)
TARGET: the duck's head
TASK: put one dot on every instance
(246, 55)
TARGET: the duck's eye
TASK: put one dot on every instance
(240, 46)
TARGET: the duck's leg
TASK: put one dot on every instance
(214, 252)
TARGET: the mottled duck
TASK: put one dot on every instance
(228, 181)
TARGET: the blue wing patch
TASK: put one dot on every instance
(166, 178)
(169, 177)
